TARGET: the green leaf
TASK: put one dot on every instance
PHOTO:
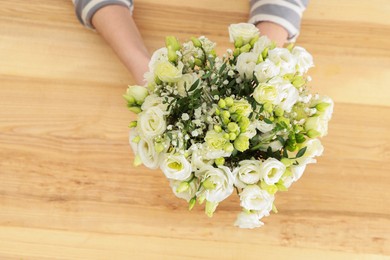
(301, 152)
(267, 121)
(193, 87)
(280, 139)
(223, 67)
(285, 154)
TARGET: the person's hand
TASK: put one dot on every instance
(116, 25)
(273, 31)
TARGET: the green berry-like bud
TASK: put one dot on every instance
(198, 62)
(278, 111)
(313, 133)
(228, 147)
(217, 128)
(232, 136)
(191, 204)
(244, 123)
(217, 112)
(226, 136)
(236, 52)
(133, 124)
(196, 42)
(171, 41)
(222, 103)
(254, 40)
(232, 127)
(219, 161)
(268, 107)
(229, 101)
(300, 138)
(225, 114)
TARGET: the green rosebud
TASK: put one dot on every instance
(171, 41)
(201, 199)
(210, 208)
(225, 114)
(219, 161)
(136, 110)
(241, 143)
(232, 127)
(133, 124)
(229, 101)
(183, 187)
(196, 42)
(232, 110)
(238, 42)
(217, 128)
(191, 203)
(246, 48)
(232, 136)
(222, 103)
(135, 95)
(208, 184)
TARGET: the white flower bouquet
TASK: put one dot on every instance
(244, 121)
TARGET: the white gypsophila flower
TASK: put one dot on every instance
(262, 43)
(198, 159)
(272, 169)
(266, 93)
(324, 105)
(246, 31)
(248, 172)
(168, 72)
(148, 154)
(222, 180)
(246, 63)
(151, 122)
(318, 124)
(266, 70)
(304, 59)
(252, 197)
(176, 167)
(185, 82)
(187, 194)
(248, 220)
(282, 58)
(185, 116)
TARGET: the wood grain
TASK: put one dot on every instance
(68, 189)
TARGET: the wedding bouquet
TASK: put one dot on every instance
(245, 121)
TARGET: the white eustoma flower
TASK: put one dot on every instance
(313, 148)
(168, 72)
(151, 122)
(214, 146)
(304, 59)
(246, 63)
(160, 55)
(266, 70)
(317, 123)
(262, 43)
(152, 101)
(264, 127)
(324, 105)
(176, 167)
(283, 58)
(248, 172)
(198, 159)
(148, 154)
(288, 96)
(187, 194)
(272, 169)
(254, 198)
(275, 146)
(251, 130)
(246, 31)
(222, 180)
(266, 93)
(134, 145)
(248, 220)
(185, 82)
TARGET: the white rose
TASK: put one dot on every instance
(246, 63)
(266, 70)
(246, 31)
(176, 167)
(288, 96)
(247, 173)
(189, 193)
(222, 180)
(265, 93)
(248, 220)
(254, 198)
(186, 81)
(262, 43)
(148, 155)
(151, 122)
(318, 124)
(168, 72)
(272, 170)
(282, 58)
(304, 59)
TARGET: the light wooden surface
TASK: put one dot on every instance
(68, 189)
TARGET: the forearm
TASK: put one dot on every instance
(117, 27)
(273, 31)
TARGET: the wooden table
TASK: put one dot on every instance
(68, 189)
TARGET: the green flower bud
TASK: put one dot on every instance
(313, 133)
(271, 189)
(172, 55)
(137, 161)
(268, 107)
(171, 41)
(278, 111)
(191, 203)
(136, 139)
(196, 42)
(236, 52)
(226, 136)
(201, 199)
(238, 42)
(221, 103)
(260, 59)
(133, 124)
(159, 147)
(229, 101)
(183, 187)
(300, 138)
(287, 162)
(298, 81)
(232, 110)
(254, 40)
(246, 48)
(244, 123)
(198, 62)
(265, 53)
(210, 208)
(219, 161)
(228, 147)
(217, 128)
(136, 110)
(217, 112)
(225, 114)
(232, 127)
(130, 100)
(208, 184)
(241, 143)
(290, 46)
(232, 136)
(157, 80)
(322, 106)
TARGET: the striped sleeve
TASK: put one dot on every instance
(287, 13)
(85, 9)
